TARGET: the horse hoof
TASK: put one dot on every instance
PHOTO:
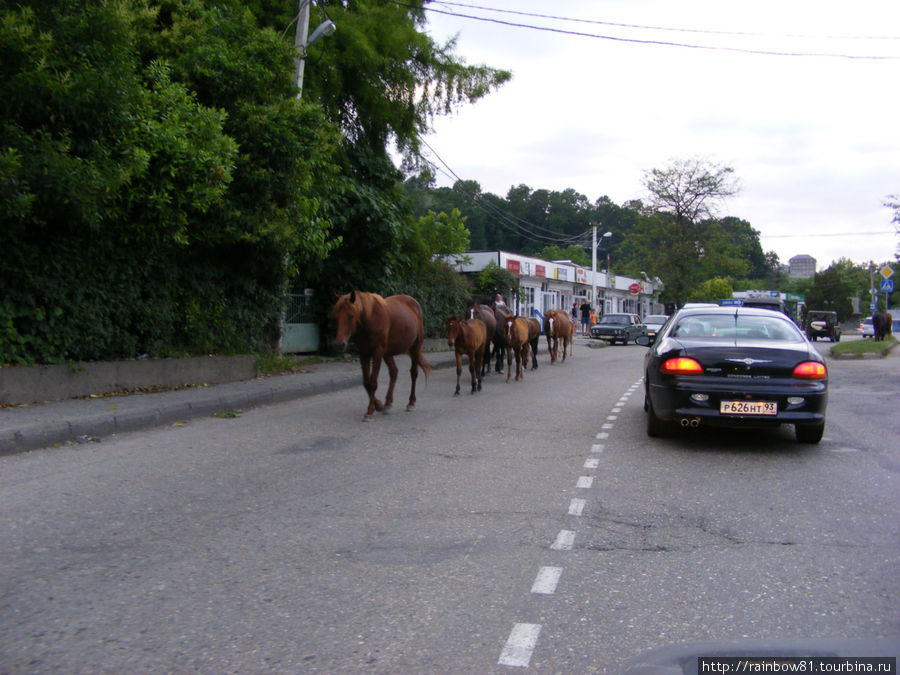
(368, 418)
(456, 393)
(410, 407)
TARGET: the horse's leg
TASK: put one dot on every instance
(392, 370)
(499, 347)
(508, 362)
(414, 355)
(479, 367)
(458, 372)
(369, 383)
(472, 370)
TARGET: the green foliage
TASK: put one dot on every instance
(574, 253)
(441, 292)
(494, 279)
(438, 235)
(712, 290)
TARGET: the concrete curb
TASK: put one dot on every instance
(58, 423)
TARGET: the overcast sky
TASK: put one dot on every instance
(814, 140)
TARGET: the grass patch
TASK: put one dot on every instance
(863, 347)
(272, 363)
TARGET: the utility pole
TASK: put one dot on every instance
(594, 265)
(300, 43)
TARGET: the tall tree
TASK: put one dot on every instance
(683, 194)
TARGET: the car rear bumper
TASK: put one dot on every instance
(676, 404)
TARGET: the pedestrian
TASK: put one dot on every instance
(499, 301)
(574, 313)
(585, 317)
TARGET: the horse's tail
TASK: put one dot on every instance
(423, 364)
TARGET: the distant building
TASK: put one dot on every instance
(802, 267)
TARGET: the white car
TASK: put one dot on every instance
(654, 322)
(866, 328)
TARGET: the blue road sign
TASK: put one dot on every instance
(887, 285)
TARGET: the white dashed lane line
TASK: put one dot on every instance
(523, 639)
(546, 580)
(520, 645)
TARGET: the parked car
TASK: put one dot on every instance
(866, 328)
(618, 328)
(734, 367)
(822, 324)
(654, 322)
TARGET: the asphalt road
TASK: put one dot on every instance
(533, 524)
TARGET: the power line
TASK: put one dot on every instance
(700, 31)
(661, 43)
(823, 234)
(511, 223)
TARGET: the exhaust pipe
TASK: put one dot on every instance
(693, 423)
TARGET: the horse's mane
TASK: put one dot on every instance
(365, 300)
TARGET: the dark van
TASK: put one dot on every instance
(822, 324)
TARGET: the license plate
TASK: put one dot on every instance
(748, 408)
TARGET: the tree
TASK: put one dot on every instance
(893, 203)
(576, 254)
(830, 292)
(690, 189)
(712, 290)
(681, 195)
(492, 280)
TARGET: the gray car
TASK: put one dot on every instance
(618, 328)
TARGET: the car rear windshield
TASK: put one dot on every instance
(731, 327)
(617, 319)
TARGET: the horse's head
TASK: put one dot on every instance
(510, 325)
(346, 315)
(453, 329)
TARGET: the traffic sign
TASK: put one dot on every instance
(887, 286)
(887, 272)
(635, 288)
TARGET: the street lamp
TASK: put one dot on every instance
(301, 41)
(606, 235)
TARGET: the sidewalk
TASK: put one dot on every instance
(82, 420)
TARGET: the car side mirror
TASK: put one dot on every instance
(645, 340)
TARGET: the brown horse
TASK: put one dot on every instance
(476, 310)
(382, 328)
(516, 343)
(534, 336)
(501, 312)
(558, 328)
(469, 338)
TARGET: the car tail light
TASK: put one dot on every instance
(681, 365)
(811, 370)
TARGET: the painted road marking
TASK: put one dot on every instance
(520, 645)
(565, 540)
(546, 580)
(597, 447)
(591, 462)
(584, 481)
(576, 506)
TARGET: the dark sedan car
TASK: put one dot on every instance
(734, 367)
(618, 328)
